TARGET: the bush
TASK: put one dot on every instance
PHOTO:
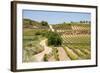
(45, 33)
(44, 23)
(55, 53)
(45, 57)
(38, 33)
(54, 39)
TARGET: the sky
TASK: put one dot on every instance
(53, 17)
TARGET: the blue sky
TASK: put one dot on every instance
(53, 17)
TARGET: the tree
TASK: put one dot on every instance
(86, 21)
(89, 22)
(71, 22)
(54, 39)
(44, 23)
(64, 22)
(81, 22)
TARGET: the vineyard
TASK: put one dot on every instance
(76, 40)
(55, 42)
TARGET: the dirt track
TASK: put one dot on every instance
(47, 50)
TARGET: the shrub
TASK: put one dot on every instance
(54, 39)
(45, 57)
(44, 23)
(55, 53)
(38, 33)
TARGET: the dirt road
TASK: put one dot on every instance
(39, 57)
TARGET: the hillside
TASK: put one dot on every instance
(28, 23)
